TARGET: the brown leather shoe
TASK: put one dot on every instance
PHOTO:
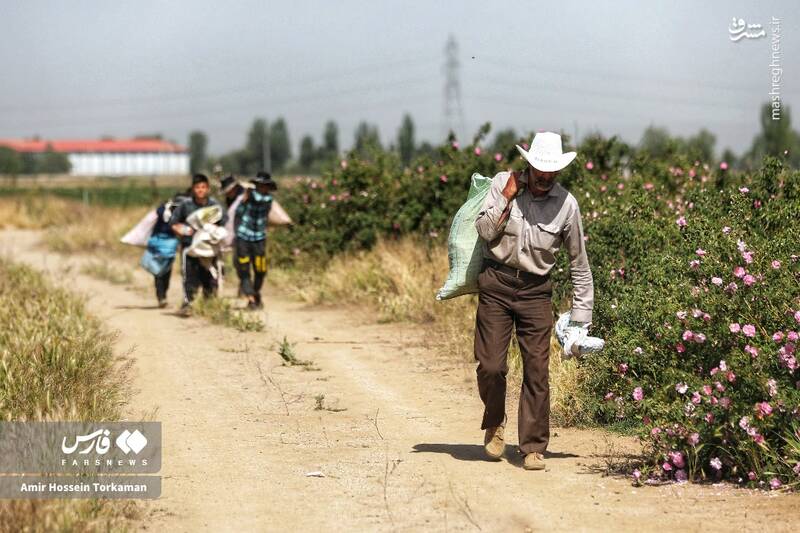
(534, 461)
(493, 442)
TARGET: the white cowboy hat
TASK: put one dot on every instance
(545, 153)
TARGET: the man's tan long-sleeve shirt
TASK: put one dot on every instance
(533, 232)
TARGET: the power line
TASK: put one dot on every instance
(494, 61)
(263, 103)
(187, 95)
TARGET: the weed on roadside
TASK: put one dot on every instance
(321, 406)
(220, 311)
(287, 353)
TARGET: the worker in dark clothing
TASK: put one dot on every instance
(250, 224)
(194, 273)
(163, 240)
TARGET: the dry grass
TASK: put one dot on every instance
(56, 363)
(398, 279)
(70, 226)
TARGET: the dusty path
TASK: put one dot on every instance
(241, 432)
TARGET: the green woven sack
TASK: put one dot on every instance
(464, 246)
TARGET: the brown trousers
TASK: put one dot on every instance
(504, 302)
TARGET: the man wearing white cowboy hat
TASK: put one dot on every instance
(524, 221)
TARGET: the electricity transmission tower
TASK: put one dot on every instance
(453, 110)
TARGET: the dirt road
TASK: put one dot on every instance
(396, 435)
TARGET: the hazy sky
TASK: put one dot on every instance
(85, 69)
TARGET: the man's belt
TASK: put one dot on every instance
(517, 273)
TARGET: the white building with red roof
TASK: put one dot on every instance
(112, 157)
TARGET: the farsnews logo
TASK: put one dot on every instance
(97, 445)
(99, 442)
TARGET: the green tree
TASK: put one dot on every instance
(198, 142)
(505, 141)
(658, 143)
(53, 162)
(366, 138)
(307, 153)
(330, 139)
(280, 147)
(253, 160)
(701, 146)
(10, 161)
(405, 139)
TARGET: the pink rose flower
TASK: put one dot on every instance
(792, 336)
(589, 165)
(749, 330)
(688, 335)
(776, 264)
(681, 222)
(744, 190)
(749, 279)
(739, 272)
(772, 386)
(622, 368)
(752, 350)
(681, 314)
(726, 229)
(443, 178)
(735, 327)
(763, 409)
(777, 336)
(638, 394)
(700, 252)
(694, 264)
(677, 459)
(716, 281)
(680, 348)
(699, 338)
(681, 388)
(774, 483)
(694, 438)
(723, 165)
(477, 150)
(715, 463)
